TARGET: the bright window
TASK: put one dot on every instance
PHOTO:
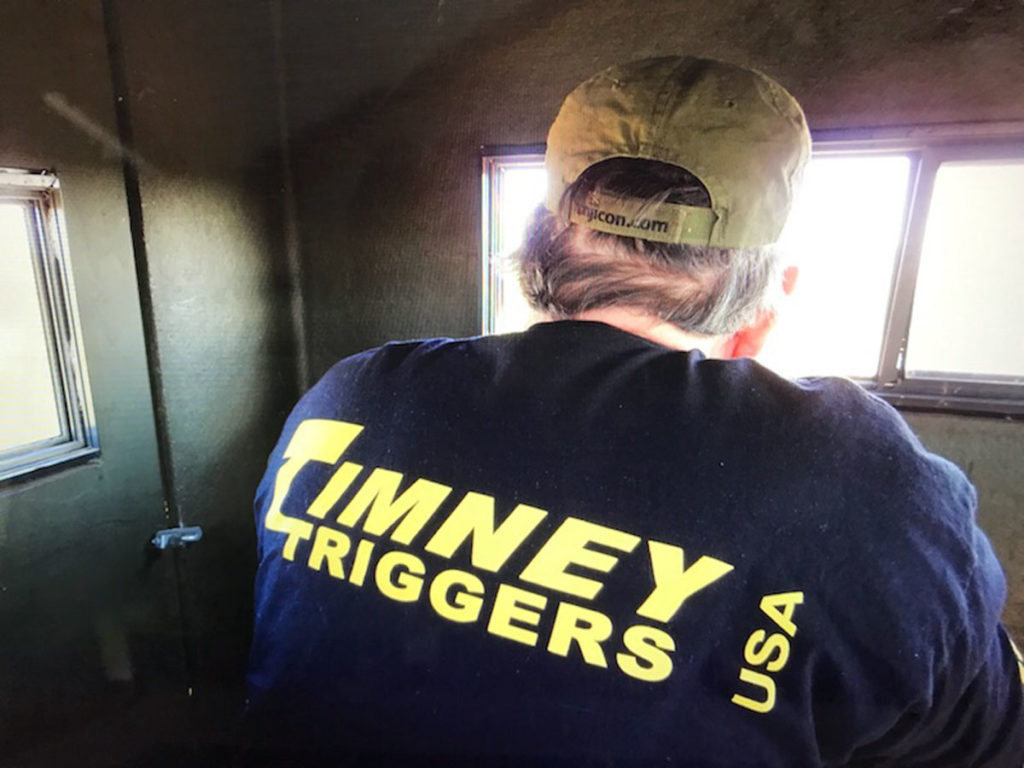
(44, 408)
(967, 316)
(909, 269)
(833, 323)
(514, 187)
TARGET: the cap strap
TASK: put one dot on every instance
(663, 223)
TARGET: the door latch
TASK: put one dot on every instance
(176, 538)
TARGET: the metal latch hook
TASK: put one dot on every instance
(176, 538)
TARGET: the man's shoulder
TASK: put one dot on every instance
(832, 409)
(847, 414)
(851, 451)
(381, 359)
(863, 425)
(393, 354)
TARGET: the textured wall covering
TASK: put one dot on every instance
(85, 628)
(202, 88)
(79, 626)
(387, 146)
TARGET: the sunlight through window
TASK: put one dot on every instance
(521, 190)
(28, 401)
(844, 236)
(967, 309)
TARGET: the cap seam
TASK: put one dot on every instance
(660, 112)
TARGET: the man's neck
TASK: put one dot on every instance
(648, 327)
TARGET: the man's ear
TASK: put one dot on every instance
(747, 342)
(789, 277)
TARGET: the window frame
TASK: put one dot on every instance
(78, 439)
(927, 147)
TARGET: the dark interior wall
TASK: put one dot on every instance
(203, 105)
(88, 635)
(82, 626)
(389, 198)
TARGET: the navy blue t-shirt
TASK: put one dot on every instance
(573, 544)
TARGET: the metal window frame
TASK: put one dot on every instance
(931, 146)
(927, 147)
(78, 440)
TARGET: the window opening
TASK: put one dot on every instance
(45, 413)
(966, 315)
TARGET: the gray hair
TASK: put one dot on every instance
(566, 269)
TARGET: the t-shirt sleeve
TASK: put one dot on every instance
(968, 705)
(972, 712)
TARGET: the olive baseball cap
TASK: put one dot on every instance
(738, 131)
